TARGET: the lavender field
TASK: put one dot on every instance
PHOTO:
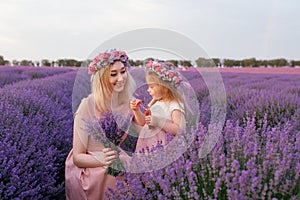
(256, 157)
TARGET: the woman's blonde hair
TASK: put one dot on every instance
(102, 89)
(171, 93)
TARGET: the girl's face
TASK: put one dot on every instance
(118, 76)
(155, 90)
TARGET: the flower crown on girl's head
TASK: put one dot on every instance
(107, 58)
(165, 71)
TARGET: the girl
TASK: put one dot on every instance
(86, 164)
(166, 107)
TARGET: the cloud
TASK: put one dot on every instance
(232, 28)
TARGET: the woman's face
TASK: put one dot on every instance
(118, 76)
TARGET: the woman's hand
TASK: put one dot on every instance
(109, 156)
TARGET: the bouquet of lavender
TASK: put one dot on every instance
(109, 130)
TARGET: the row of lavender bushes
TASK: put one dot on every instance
(36, 135)
(256, 157)
(274, 95)
(246, 163)
(10, 75)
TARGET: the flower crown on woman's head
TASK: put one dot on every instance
(165, 71)
(108, 57)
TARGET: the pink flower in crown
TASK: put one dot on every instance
(125, 56)
(165, 71)
(158, 68)
(171, 74)
(116, 53)
(107, 58)
(96, 59)
(156, 64)
(177, 80)
(104, 55)
(92, 69)
(149, 64)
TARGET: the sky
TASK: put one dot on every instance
(72, 29)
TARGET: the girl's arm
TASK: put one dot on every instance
(172, 126)
(139, 117)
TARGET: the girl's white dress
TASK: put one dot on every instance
(150, 136)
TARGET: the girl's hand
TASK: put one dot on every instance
(135, 103)
(155, 121)
(148, 119)
(109, 156)
(147, 112)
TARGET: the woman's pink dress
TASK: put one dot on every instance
(86, 183)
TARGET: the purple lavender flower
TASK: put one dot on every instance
(261, 138)
(109, 130)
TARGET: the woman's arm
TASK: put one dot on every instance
(82, 159)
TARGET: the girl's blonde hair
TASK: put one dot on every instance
(102, 89)
(171, 93)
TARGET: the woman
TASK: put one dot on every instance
(86, 164)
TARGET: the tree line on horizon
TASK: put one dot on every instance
(200, 62)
